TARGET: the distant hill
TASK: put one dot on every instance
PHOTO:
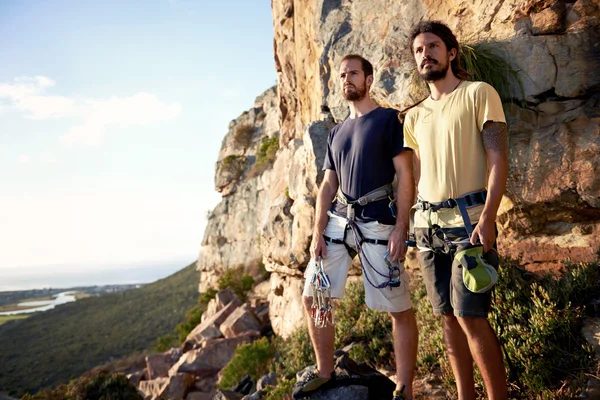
(55, 346)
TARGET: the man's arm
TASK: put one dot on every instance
(495, 142)
(403, 163)
(327, 192)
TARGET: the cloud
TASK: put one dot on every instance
(27, 95)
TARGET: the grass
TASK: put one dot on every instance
(6, 318)
(57, 345)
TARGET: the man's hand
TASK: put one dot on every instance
(318, 247)
(485, 233)
(397, 244)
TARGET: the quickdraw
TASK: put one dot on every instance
(322, 306)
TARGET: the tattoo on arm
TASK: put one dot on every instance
(495, 138)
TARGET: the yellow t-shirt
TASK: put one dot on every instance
(447, 135)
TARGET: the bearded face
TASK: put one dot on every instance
(352, 92)
(432, 70)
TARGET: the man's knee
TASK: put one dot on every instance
(402, 316)
(450, 321)
(473, 325)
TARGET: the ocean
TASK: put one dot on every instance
(65, 277)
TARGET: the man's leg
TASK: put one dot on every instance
(322, 340)
(404, 330)
(460, 357)
(487, 354)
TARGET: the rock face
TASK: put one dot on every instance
(551, 210)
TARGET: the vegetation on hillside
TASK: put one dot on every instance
(538, 320)
(101, 386)
(57, 345)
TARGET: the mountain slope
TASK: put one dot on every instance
(60, 344)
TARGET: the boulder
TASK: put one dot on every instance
(177, 386)
(207, 329)
(136, 377)
(353, 392)
(152, 388)
(199, 396)
(267, 380)
(221, 300)
(227, 395)
(240, 321)
(158, 365)
(212, 356)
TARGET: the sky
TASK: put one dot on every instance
(112, 114)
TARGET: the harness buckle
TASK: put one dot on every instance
(350, 212)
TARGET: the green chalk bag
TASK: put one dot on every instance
(478, 275)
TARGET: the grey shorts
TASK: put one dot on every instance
(443, 275)
(338, 261)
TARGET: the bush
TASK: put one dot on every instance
(293, 354)
(234, 165)
(239, 282)
(265, 156)
(243, 135)
(539, 322)
(252, 359)
(99, 387)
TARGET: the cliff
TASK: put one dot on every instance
(551, 211)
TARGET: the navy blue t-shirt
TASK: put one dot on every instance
(360, 151)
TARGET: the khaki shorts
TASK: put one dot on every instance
(338, 261)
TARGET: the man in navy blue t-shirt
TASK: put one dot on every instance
(364, 153)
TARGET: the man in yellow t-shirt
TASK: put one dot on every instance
(458, 138)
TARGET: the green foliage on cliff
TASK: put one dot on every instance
(57, 345)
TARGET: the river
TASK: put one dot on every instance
(45, 305)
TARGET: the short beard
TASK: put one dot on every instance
(356, 95)
(432, 75)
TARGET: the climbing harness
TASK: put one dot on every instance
(322, 306)
(463, 203)
(392, 275)
(381, 193)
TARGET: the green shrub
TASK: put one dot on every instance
(265, 156)
(252, 359)
(354, 322)
(483, 63)
(98, 387)
(242, 136)
(293, 354)
(539, 321)
(282, 391)
(239, 282)
(234, 165)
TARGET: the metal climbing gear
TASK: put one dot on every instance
(322, 306)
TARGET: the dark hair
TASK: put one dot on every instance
(443, 31)
(367, 67)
